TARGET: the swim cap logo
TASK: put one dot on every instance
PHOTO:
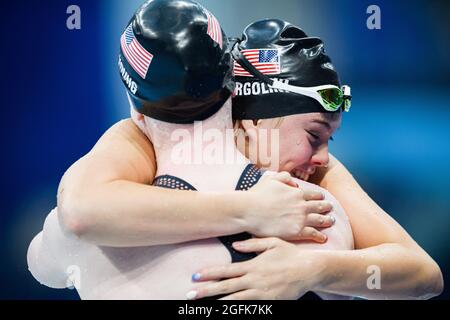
(214, 30)
(138, 58)
(266, 61)
(132, 86)
(256, 88)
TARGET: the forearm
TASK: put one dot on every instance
(407, 271)
(124, 214)
(403, 273)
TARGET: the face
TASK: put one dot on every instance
(302, 143)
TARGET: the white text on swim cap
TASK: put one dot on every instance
(127, 79)
(256, 88)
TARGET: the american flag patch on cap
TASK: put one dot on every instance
(266, 61)
(138, 58)
(214, 30)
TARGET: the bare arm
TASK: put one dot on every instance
(43, 257)
(42, 265)
(105, 198)
(407, 271)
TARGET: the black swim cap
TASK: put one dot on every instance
(174, 62)
(279, 50)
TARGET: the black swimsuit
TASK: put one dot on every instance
(249, 177)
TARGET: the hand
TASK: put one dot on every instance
(282, 271)
(278, 208)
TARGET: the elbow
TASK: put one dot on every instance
(73, 217)
(431, 283)
(436, 281)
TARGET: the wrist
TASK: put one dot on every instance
(314, 271)
(235, 205)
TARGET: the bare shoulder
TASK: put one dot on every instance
(337, 207)
(125, 132)
(122, 153)
(128, 150)
(340, 235)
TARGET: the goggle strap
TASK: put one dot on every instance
(294, 89)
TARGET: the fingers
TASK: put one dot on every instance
(316, 220)
(256, 245)
(284, 177)
(312, 195)
(221, 272)
(218, 288)
(321, 207)
(309, 233)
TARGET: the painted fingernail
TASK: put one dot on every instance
(196, 276)
(191, 295)
(238, 244)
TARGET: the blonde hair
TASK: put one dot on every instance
(241, 137)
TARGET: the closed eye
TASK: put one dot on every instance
(314, 135)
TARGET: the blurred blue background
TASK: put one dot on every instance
(61, 91)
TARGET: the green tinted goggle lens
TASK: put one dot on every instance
(333, 97)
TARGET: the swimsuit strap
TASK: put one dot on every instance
(249, 177)
(171, 182)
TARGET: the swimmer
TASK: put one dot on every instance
(301, 101)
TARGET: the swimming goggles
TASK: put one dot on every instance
(330, 97)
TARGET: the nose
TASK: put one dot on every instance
(321, 157)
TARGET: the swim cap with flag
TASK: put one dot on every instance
(174, 61)
(280, 71)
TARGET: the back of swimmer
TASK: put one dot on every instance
(180, 96)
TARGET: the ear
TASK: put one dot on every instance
(251, 129)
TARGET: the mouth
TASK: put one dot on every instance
(302, 174)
